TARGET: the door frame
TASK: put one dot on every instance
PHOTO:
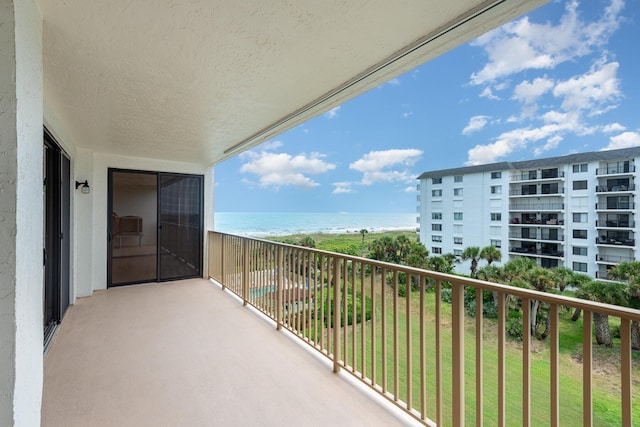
(158, 174)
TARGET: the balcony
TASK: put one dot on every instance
(615, 224)
(615, 241)
(188, 353)
(615, 188)
(535, 236)
(536, 207)
(615, 206)
(612, 259)
(616, 170)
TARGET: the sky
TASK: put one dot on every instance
(560, 80)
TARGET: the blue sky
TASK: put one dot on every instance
(563, 79)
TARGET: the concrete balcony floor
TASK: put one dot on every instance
(186, 353)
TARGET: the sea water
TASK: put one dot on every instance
(279, 224)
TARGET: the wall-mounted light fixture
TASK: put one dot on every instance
(84, 186)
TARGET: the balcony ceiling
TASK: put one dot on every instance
(190, 80)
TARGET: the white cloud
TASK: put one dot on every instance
(613, 127)
(342, 188)
(488, 93)
(550, 145)
(624, 140)
(476, 123)
(281, 169)
(394, 82)
(528, 92)
(410, 189)
(332, 113)
(407, 114)
(521, 45)
(387, 165)
(596, 88)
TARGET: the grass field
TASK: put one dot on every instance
(606, 376)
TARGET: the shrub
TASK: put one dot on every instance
(328, 311)
(514, 325)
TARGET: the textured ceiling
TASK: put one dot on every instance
(190, 80)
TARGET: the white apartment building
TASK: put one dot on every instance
(576, 211)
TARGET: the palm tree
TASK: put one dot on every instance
(562, 276)
(608, 293)
(542, 280)
(490, 254)
(578, 281)
(363, 231)
(629, 271)
(472, 253)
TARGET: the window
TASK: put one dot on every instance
(580, 266)
(436, 238)
(436, 193)
(457, 252)
(457, 216)
(496, 243)
(436, 227)
(582, 167)
(579, 234)
(496, 189)
(579, 217)
(457, 240)
(496, 175)
(436, 180)
(457, 228)
(495, 231)
(436, 251)
(496, 216)
(457, 178)
(579, 251)
(457, 191)
(436, 215)
(579, 185)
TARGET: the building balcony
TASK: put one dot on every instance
(617, 170)
(615, 188)
(536, 207)
(615, 206)
(615, 224)
(256, 345)
(615, 241)
(612, 259)
(544, 175)
(535, 236)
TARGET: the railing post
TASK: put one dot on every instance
(280, 284)
(245, 271)
(457, 321)
(336, 314)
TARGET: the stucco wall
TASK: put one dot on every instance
(91, 214)
(21, 207)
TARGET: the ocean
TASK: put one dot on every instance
(279, 224)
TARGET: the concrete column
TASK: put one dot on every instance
(21, 211)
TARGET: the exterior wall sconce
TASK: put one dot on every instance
(84, 186)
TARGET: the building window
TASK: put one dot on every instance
(579, 234)
(496, 243)
(457, 240)
(457, 228)
(436, 215)
(457, 191)
(436, 251)
(579, 217)
(457, 178)
(436, 193)
(496, 216)
(582, 167)
(436, 227)
(496, 175)
(457, 216)
(496, 189)
(457, 252)
(436, 180)
(579, 185)
(436, 238)
(579, 251)
(580, 266)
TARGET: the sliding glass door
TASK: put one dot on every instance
(155, 232)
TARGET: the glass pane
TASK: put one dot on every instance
(180, 226)
(134, 220)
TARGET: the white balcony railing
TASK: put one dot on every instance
(411, 348)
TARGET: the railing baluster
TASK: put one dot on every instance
(479, 357)
(374, 361)
(587, 361)
(336, 314)
(345, 314)
(384, 330)
(423, 351)
(363, 323)
(245, 271)
(279, 286)
(409, 349)
(502, 415)
(554, 361)
(438, 348)
(626, 372)
(322, 308)
(457, 338)
(396, 338)
(354, 300)
(526, 362)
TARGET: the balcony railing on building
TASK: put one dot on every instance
(613, 259)
(615, 224)
(617, 168)
(534, 207)
(614, 188)
(537, 175)
(615, 240)
(410, 346)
